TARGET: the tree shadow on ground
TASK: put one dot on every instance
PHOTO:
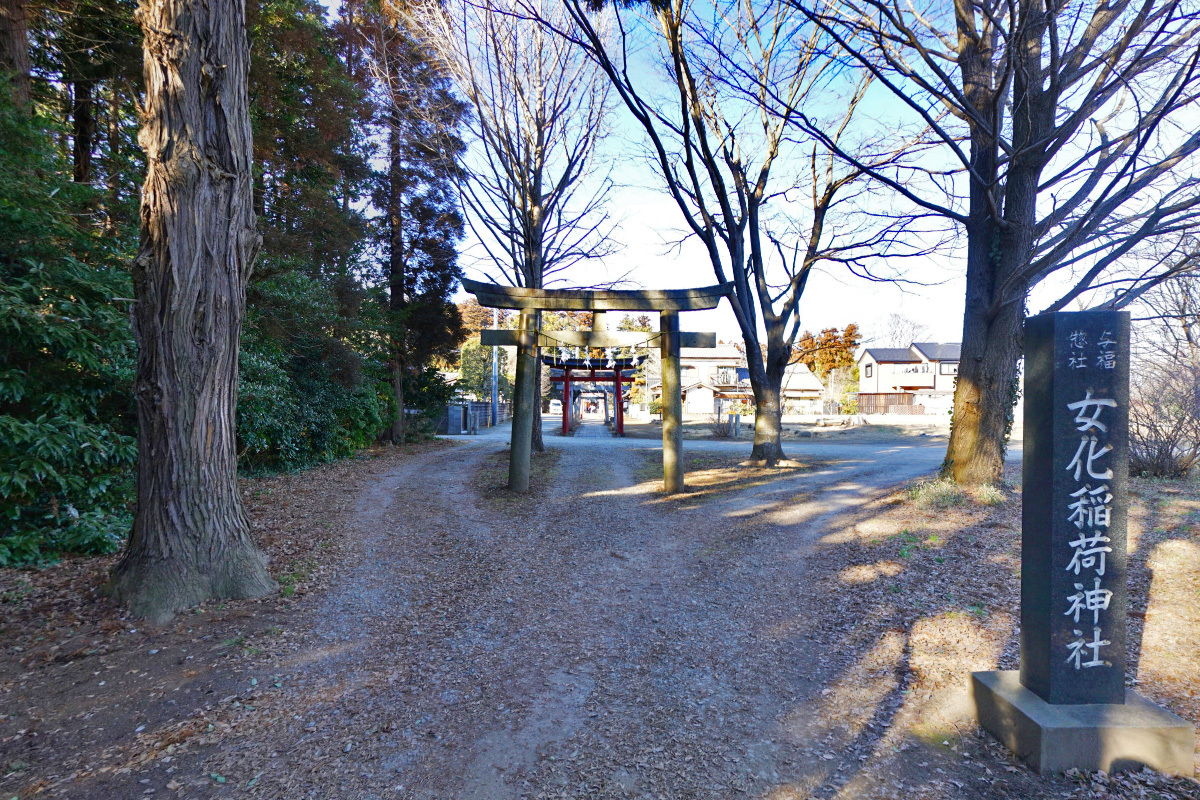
(905, 603)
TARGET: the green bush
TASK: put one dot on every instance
(67, 448)
(304, 396)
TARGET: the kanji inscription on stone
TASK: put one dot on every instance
(1075, 488)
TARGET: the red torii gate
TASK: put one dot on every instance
(617, 378)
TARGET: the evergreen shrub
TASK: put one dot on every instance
(67, 447)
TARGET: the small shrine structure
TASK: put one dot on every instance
(529, 337)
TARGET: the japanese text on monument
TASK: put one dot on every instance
(1090, 509)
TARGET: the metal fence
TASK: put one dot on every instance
(471, 417)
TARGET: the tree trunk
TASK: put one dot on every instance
(83, 129)
(997, 250)
(768, 413)
(984, 395)
(113, 158)
(191, 540)
(537, 443)
(397, 272)
(397, 433)
(766, 381)
(992, 343)
(14, 49)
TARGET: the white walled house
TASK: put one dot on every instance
(713, 380)
(919, 378)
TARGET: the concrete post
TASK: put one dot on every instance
(672, 402)
(523, 400)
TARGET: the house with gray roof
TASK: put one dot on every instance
(919, 377)
(714, 380)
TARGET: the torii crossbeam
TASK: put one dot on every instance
(528, 338)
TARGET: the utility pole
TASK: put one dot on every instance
(495, 372)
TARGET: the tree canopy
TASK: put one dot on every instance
(313, 377)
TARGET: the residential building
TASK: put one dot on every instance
(919, 377)
(714, 380)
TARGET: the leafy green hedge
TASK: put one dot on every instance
(67, 427)
(289, 419)
(67, 446)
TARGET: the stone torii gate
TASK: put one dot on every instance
(528, 338)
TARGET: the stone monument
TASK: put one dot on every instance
(1068, 705)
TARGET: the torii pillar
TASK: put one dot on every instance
(672, 402)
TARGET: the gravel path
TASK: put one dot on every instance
(592, 430)
(599, 640)
(773, 634)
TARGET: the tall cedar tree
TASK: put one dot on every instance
(421, 225)
(310, 382)
(309, 115)
(87, 62)
(191, 539)
(14, 49)
(308, 390)
(92, 51)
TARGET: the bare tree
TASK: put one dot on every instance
(902, 331)
(534, 192)
(1164, 413)
(191, 540)
(1064, 148)
(766, 208)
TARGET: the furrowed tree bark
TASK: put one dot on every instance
(190, 539)
(14, 49)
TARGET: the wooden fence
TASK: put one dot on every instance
(888, 403)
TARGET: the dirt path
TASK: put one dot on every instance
(601, 641)
(777, 637)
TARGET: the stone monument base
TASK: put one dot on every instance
(1054, 738)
